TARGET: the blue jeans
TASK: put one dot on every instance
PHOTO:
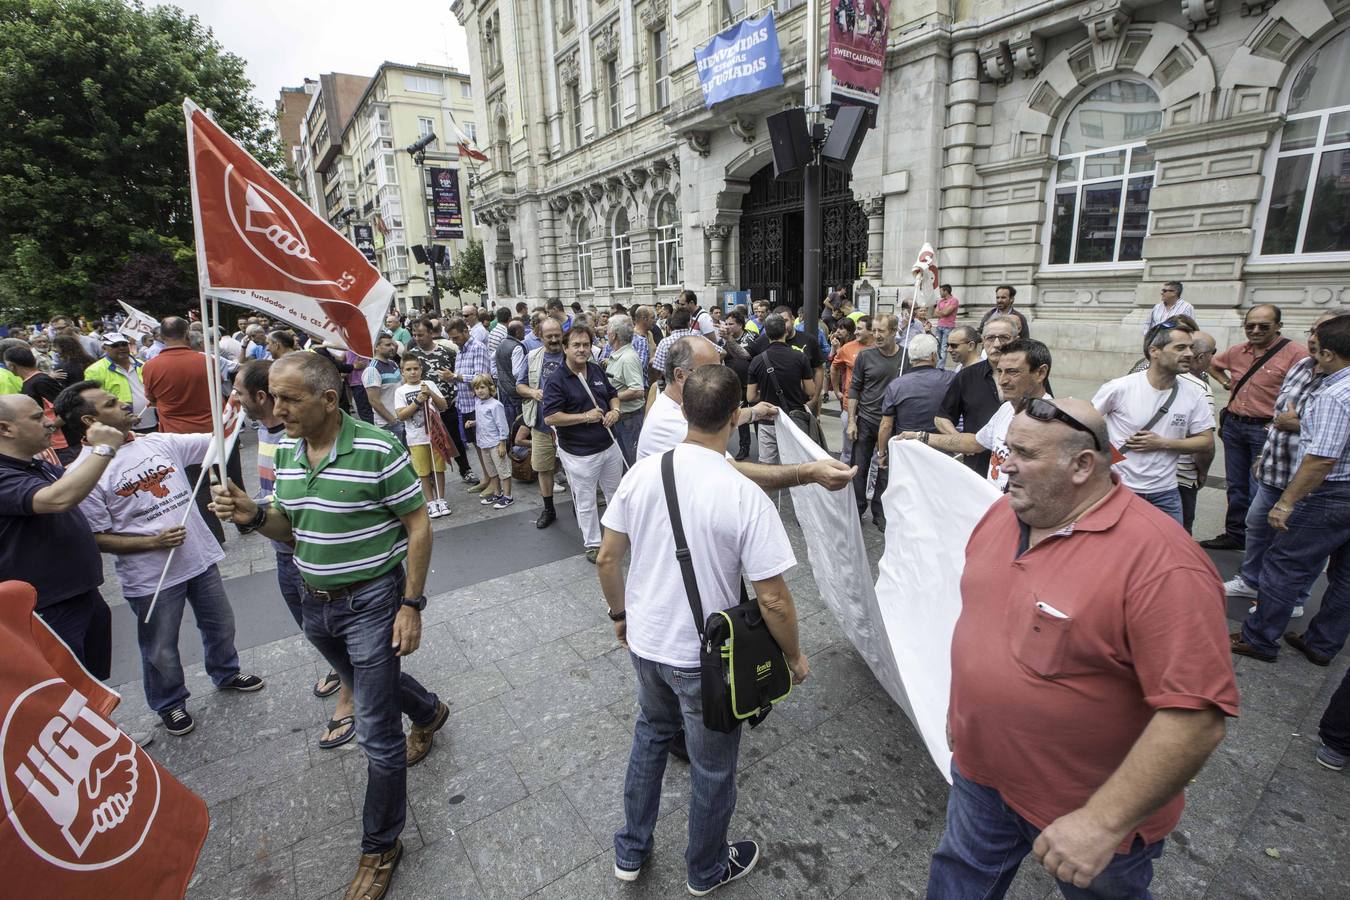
(290, 585)
(1319, 528)
(984, 843)
(941, 332)
(626, 432)
(670, 699)
(1259, 536)
(1167, 501)
(161, 666)
(1242, 443)
(354, 636)
(1334, 729)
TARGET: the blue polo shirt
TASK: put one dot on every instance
(55, 552)
(564, 393)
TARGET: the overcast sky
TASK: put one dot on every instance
(283, 43)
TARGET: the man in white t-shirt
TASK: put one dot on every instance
(1154, 416)
(665, 425)
(732, 530)
(134, 512)
(1020, 374)
(699, 319)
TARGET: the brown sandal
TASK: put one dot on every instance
(374, 873)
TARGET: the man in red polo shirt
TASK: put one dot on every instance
(177, 386)
(1083, 697)
(1251, 408)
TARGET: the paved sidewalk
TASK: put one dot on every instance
(522, 792)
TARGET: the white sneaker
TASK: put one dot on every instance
(437, 508)
(1237, 586)
(445, 508)
(1296, 614)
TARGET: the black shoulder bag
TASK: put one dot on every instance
(802, 417)
(743, 670)
(1256, 366)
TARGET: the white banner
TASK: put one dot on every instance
(902, 626)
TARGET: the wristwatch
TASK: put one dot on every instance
(418, 603)
(617, 616)
(103, 450)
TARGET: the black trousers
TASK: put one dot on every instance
(234, 468)
(1335, 726)
(362, 403)
(84, 622)
(864, 449)
(450, 417)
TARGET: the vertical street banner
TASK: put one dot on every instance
(857, 50)
(363, 236)
(741, 60)
(260, 246)
(445, 205)
(88, 813)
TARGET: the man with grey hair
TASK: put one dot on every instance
(912, 401)
(623, 367)
(1169, 306)
(873, 371)
(255, 346)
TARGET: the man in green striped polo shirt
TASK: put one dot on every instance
(347, 498)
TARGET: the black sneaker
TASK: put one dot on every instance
(244, 683)
(741, 858)
(546, 518)
(468, 478)
(177, 722)
(1224, 541)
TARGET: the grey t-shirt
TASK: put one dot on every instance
(873, 371)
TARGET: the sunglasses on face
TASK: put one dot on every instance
(958, 345)
(1258, 326)
(1044, 411)
(997, 339)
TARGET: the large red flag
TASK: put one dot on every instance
(87, 812)
(260, 246)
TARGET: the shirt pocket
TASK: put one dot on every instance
(1040, 640)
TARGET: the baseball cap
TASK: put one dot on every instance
(115, 337)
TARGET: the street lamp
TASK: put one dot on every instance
(418, 151)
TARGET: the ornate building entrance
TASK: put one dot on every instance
(771, 236)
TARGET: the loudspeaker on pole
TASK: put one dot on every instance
(845, 138)
(791, 142)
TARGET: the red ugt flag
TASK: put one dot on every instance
(87, 812)
(260, 246)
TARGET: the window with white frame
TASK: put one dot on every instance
(388, 171)
(466, 90)
(585, 277)
(471, 130)
(1307, 208)
(425, 127)
(396, 263)
(422, 84)
(667, 242)
(574, 104)
(612, 92)
(1103, 177)
(660, 69)
(622, 248)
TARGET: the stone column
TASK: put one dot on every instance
(958, 172)
(875, 209)
(548, 247)
(717, 237)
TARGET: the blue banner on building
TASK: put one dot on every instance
(741, 60)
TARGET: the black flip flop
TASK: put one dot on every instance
(327, 686)
(333, 725)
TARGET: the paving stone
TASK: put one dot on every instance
(289, 810)
(214, 860)
(491, 635)
(543, 661)
(901, 875)
(440, 870)
(464, 689)
(527, 845)
(818, 631)
(479, 731)
(472, 793)
(240, 773)
(553, 615)
(439, 654)
(556, 755)
(280, 656)
(839, 678)
(596, 792)
(327, 860)
(593, 642)
(550, 703)
(270, 879)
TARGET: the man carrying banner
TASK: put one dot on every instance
(346, 496)
(134, 511)
(1049, 639)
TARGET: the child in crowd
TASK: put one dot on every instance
(410, 403)
(491, 434)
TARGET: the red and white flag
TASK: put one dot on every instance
(260, 246)
(925, 270)
(88, 813)
(136, 323)
(466, 150)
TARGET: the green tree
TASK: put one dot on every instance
(469, 273)
(93, 162)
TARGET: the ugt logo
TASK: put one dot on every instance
(91, 793)
(265, 224)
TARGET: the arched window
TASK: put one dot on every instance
(1308, 199)
(585, 280)
(1103, 176)
(667, 242)
(623, 251)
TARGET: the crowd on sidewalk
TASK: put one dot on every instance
(104, 436)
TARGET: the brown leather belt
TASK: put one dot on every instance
(346, 592)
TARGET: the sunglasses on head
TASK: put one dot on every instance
(1043, 410)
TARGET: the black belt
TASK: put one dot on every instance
(1248, 420)
(346, 592)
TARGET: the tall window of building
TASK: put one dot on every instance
(466, 90)
(612, 92)
(660, 69)
(667, 242)
(396, 262)
(472, 131)
(733, 10)
(388, 168)
(622, 248)
(519, 272)
(1307, 199)
(574, 103)
(1103, 177)
(585, 277)
(425, 127)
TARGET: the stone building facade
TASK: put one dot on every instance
(1082, 151)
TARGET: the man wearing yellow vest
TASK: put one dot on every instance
(119, 373)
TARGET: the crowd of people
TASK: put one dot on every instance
(104, 435)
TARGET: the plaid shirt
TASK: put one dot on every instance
(1326, 424)
(659, 359)
(472, 360)
(1276, 465)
